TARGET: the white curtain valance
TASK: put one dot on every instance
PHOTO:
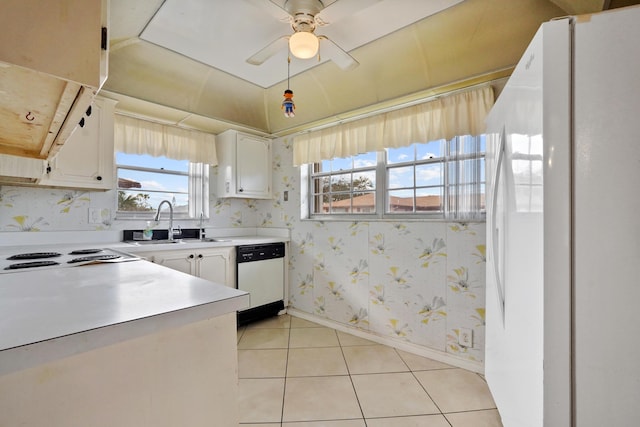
(135, 136)
(458, 114)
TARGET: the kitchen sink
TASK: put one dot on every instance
(207, 240)
(154, 242)
(177, 241)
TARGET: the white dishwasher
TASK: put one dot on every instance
(260, 271)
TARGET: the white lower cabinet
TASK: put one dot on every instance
(214, 264)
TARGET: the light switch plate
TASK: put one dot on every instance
(99, 215)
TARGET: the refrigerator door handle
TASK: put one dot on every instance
(495, 231)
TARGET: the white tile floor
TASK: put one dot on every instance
(295, 373)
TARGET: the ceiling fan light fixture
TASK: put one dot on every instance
(304, 45)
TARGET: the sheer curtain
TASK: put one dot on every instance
(137, 136)
(462, 113)
(465, 171)
(198, 190)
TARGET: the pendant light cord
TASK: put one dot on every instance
(288, 70)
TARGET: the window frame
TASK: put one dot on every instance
(442, 161)
(314, 195)
(198, 191)
(382, 190)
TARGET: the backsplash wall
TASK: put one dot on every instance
(49, 209)
(414, 281)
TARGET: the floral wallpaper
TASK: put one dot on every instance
(40, 209)
(414, 281)
(418, 282)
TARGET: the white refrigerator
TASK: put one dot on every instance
(563, 228)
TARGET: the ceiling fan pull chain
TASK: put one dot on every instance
(288, 70)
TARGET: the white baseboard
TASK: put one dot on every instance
(419, 350)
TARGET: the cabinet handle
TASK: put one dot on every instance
(104, 38)
(200, 256)
(191, 256)
(240, 190)
(81, 124)
(99, 178)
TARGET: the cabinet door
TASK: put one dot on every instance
(253, 174)
(217, 265)
(86, 159)
(177, 260)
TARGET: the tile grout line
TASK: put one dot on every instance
(286, 371)
(422, 386)
(353, 386)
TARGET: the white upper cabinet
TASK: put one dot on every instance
(86, 160)
(20, 170)
(53, 61)
(244, 166)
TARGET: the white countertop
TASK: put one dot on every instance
(49, 314)
(143, 246)
(247, 235)
(46, 315)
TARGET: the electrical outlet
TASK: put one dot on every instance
(465, 337)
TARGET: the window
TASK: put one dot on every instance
(345, 185)
(438, 179)
(144, 181)
(415, 178)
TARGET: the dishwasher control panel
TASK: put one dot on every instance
(251, 253)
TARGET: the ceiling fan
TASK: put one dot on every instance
(305, 16)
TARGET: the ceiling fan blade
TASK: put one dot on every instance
(338, 55)
(268, 51)
(272, 9)
(342, 9)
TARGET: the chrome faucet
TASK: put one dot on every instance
(202, 234)
(157, 217)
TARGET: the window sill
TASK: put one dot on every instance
(387, 218)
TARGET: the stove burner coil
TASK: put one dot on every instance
(31, 264)
(85, 251)
(34, 255)
(93, 258)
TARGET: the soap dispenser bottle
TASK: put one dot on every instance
(147, 234)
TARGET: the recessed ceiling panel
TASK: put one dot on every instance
(224, 33)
